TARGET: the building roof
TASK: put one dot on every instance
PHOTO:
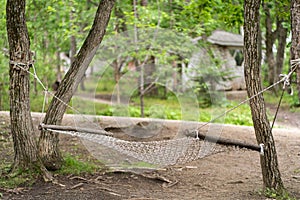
(224, 38)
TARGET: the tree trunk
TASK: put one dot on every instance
(263, 132)
(120, 27)
(281, 36)
(117, 76)
(120, 21)
(270, 39)
(295, 48)
(25, 146)
(144, 2)
(139, 67)
(48, 143)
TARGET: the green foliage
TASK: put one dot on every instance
(4, 60)
(52, 22)
(73, 165)
(294, 101)
(201, 16)
(233, 14)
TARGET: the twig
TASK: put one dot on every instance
(77, 185)
(109, 190)
(79, 178)
(157, 177)
(168, 185)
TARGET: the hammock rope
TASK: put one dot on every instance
(164, 152)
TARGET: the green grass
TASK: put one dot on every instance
(168, 109)
(164, 109)
(73, 165)
(290, 101)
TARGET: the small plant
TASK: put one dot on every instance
(283, 195)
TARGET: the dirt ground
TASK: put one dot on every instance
(233, 174)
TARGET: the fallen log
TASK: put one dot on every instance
(224, 141)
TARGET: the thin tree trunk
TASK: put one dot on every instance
(281, 35)
(137, 63)
(117, 64)
(270, 39)
(263, 132)
(259, 45)
(1, 92)
(144, 2)
(73, 47)
(172, 21)
(295, 48)
(121, 23)
(48, 143)
(58, 67)
(117, 76)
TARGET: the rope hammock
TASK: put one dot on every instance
(164, 152)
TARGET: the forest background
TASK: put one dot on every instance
(58, 28)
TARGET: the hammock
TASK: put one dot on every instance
(163, 153)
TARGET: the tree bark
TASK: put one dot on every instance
(48, 143)
(275, 62)
(281, 36)
(295, 48)
(270, 39)
(144, 2)
(263, 132)
(117, 64)
(19, 52)
(137, 63)
(120, 22)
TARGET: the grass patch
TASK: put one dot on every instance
(239, 116)
(290, 101)
(73, 165)
(18, 178)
